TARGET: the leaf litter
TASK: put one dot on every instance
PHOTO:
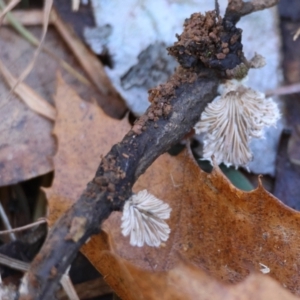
(27, 144)
(227, 233)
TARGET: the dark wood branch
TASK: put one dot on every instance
(176, 107)
(239, 8)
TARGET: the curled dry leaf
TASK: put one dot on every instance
(26, 143)
(186, 281)
(226, 232)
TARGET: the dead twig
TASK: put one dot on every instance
(65, 281)
(13, 263)
(38, 222)
(6, 223)
(68, 286)
(32, 17)
(238, 8)
(284, 90)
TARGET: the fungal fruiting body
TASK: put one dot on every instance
(143, 219)
(232, 119)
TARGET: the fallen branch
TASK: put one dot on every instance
(239, 8)
(176, 106)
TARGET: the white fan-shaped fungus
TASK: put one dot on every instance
(143, 219)
(232, 119)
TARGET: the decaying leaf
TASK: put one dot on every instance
(226, 232)
(84, 133)
(28, 95)
(26, 144)
(186, 281)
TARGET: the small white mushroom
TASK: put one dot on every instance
(143, 219)
(232, 119)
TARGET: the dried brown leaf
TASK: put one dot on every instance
(186, 281)
(88, 289)
(28, 69)
(84, 133)
(31, 17)
(28, 95)
(27, 144)
(225, 233)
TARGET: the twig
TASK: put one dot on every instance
(18, 26)
(284, 90)
(24, 267)
(88, 289)
(238, 8)
(8, 8)
(6, 222)
(32, 17)
(68, 286)
(41, 221)
(296, 35)
(14, 263)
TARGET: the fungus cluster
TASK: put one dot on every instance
(232, 119)
(143, 219)
(237, 115)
